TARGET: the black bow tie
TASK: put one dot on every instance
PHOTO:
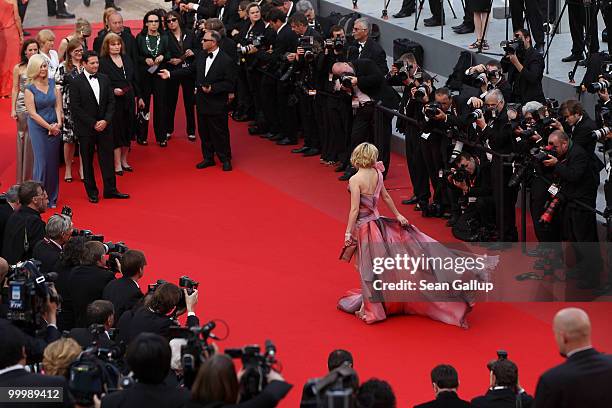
(93, 76)
(211, 56)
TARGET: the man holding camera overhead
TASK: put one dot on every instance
(525, 68)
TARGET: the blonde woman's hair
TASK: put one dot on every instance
(82, 26)
(43, 36)
(36, 61)
(58, 356)
(108, 40)
(364, 156)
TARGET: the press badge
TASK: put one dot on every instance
(471, 200)
(425, 135)
(553, 190)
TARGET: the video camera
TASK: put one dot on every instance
(513, 46)
(256, 367)
(335, 390)
(26, 293)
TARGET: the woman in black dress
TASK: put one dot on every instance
(153, 52)
(182, 44)
(481, 10)
(122, 74)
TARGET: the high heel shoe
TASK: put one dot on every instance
(129, 169)
(119, 172)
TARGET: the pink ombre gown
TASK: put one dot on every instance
(378, 236)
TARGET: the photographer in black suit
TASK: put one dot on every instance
(214, 79)
(578, 125)
(159, 311)
(87, 281)
(577, 176)
(92, 104)
(47, 251)
(525, 68)
(25, 227)
(584, 379)
(7, 209)
(12, 367)
(99, 312)
(504, 391)
(368, 87)
(148, 356)
(365, 47)
(125, 293)
(445, 382)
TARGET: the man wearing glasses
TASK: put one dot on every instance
(25, 227)
(365, 47)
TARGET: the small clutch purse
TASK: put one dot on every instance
(347, 252)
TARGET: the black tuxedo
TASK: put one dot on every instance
(445, 399)
(212, 107)
(134, 322)
(502, 398)
(85, 339)
(5, 212)
(86, 284)
(48, 254)
(148, 395)
(21, 378)
(583, 380)
(86, 111)
(22, 232)
(124, 294)
(371, 50)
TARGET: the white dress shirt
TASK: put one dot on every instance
(221, 12)
(95, 85)
(209, 61)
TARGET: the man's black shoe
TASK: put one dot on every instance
(403, 13)
(458, 26)
(571, 58)
(204, 164)
(430, 19)
(300, 149)
(268, 135)
(286, 142)
(276, 138)
(432, 23)
(603, 290)
(227, 166)
(87, 3)
(64, 15)
(582, 63)
(411, 200)
(464, 30)
(117, 194)
(93, 199)
(312, 152)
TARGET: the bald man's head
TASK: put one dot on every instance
(572, 329)
(4, 267)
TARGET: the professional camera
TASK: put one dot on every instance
(598, 86)
(477, 79)
(307, 43)
(257, 41)
(600, 134)
(420, 93)
(474, 115)
(403, 69)
(186, 282)
(512, 46)
(335, 390)
(345, 80)
(460, 175)
(256, 367)
(431, 109)
(541, 154)
(87, 233)
(115, 252)
(196, 350)
(153, 286)
(26, 294)
(336, 44)
(457, 150)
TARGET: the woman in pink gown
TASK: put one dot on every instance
(371, 236)
(11, 37)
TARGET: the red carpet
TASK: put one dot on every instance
(264, 241)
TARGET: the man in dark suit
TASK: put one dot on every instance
(365, 47)
(215, 78)
(87, 281)
(101, 313)
(115, 25)
(25, 226)
(227, 12)
(445, 382)
(578, 125)
(584, 379)
(318, 23)
(12, 368)
(504, 391)
(124, 293)
(148, 356)
(47, 251)
(286, 6)
(7, 208)
(369, 87)
(204, 9)
(167, 299)
(525, 69)
(92, 104)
